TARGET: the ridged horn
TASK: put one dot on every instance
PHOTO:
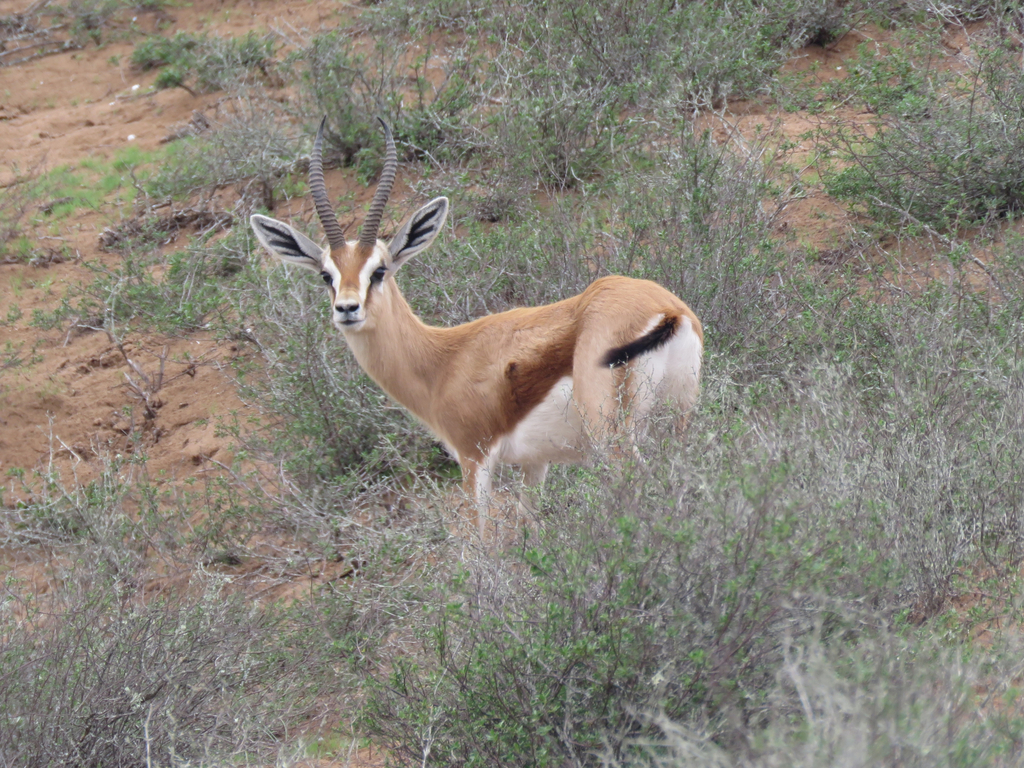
(368, 234)
(317, 188)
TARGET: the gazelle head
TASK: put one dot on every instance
(359, 273)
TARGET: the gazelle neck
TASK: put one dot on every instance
(406, 357)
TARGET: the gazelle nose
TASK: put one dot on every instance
(347, 307)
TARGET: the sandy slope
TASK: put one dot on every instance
(73, 402)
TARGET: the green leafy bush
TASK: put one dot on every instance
(108, 683)
(353, 87)
(947, 152)
(571, 71)
(182, 291)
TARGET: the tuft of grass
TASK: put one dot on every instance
(16, 201)
(188, 289)
(89, 20)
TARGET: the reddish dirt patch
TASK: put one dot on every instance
(74, 401)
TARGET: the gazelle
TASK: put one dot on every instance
(528, 386)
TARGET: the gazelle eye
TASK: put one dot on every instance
(326, 276)
(378, 274)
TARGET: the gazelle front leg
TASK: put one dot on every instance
(476, 483)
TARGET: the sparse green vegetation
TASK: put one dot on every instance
(92, 675)
(16, 201)
(54, 196)
(204, 63)
(11, 356)
(352, 87)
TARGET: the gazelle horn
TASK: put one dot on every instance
(368, 234)
(318, 190)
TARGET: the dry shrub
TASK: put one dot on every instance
(890, 699)
(251, 149)
(94, 679)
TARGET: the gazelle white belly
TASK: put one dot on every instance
(550, 432)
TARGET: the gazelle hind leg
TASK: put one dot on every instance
(596, 396)
(533, 480)
(534, 474)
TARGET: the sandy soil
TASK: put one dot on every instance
(75, 401)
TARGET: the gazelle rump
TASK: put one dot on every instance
(529, 386)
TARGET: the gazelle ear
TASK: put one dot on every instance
(418, 232)
(287, 243)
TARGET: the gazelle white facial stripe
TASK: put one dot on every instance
(331, 269)
(366, 272)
